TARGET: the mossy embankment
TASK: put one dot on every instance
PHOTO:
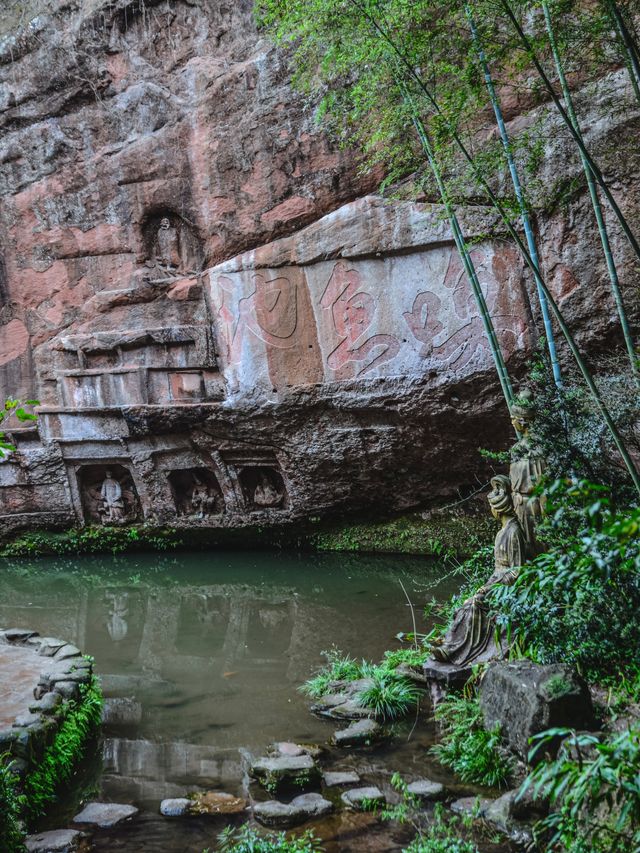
(434, 533)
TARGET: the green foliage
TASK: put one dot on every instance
(339, 667)
(475, 754)
(60, 759)
(579, 601)
(441, 836)
(16, 409)
(248, 840)
(390, 696)
(12, 834)
(594, 787)
(93, 540)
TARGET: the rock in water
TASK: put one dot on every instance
(299, 810)
(362, 798)
(105, 815)
(359, 733)
(55, 841)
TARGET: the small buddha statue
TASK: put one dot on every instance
(266, 494)
(167, 249)
(203, 501)
(527, 467)
(471, 637)
(112, 500)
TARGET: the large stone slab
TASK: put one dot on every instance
(285, 771)
(299, 810)
(105, 815)
(526, 698)
(55, 841)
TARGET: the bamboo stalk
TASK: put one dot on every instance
(517, 186)
(631, 51)
(593, 192)
(617, 438)
(595, 169)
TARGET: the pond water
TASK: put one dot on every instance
(200, 656)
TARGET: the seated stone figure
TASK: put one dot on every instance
(266, 494)
(471, 637)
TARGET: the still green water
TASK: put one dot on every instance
(200, 656)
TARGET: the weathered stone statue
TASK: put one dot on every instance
(203, 501)
(471, 637)
(266, 494)
(112, 500)
(527, 467)
(167, 249)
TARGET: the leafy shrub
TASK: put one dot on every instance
(390, 696)
(248, 840)
(61, 757)
(92, 540)
(12, 834)
(473, 753)
(595, 788)
(440, 836)
(579, 601)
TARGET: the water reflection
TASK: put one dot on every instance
(200, 654)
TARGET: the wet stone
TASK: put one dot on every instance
(471, 806)
(105, 815)
(67, 651)
(216, 802)
(361, 798)
(67, 689)
(333, 779)
(18, 635)
(340, 707)
(426, 790)
(48, 704)
(56, 841)
(285, 748)
(301, 809)
(49, 646)
(281, 771)
(176, 807)
(358, 733)
(24, 720)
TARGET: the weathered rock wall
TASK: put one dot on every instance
(198, 287)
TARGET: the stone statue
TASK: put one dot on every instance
(527, 467)
(204, 503)
(167, 251)
(112, 500)
(117, 624)
(471, 637)
(266, 494)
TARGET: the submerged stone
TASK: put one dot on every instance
(105, 815)
(362, 798)
(336, 778)
(426, 790)
(54, 841)
(299, 810)
(175, 807)
(358, 733)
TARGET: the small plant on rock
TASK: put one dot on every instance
(339, 667)
(390, 696)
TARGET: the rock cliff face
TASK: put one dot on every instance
(208, 301)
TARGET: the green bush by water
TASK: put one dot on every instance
(390, 695)
(61, 758)
(473, 753)
(92, 540)
(12, 833)
(248, 840)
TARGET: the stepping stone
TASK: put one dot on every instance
(105, 815)
(56, 841)
(472, 806)
(360, 798)
(175, 807)
(426, 790)
(358, 733)
(340, 707)
(291, 749)
(298, 771)
(299, 810)
(334, 778)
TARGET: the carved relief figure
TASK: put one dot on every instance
(204, 501)
(352, 311)
(270, 313)
(527, 468)
(266, 494)
(471, 636)
(167, 246)
(112, 500)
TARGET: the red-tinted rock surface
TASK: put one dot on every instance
(196, 284)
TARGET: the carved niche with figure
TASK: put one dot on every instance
(196, 493)
(172, 248)
(263, 488)
(108, 494)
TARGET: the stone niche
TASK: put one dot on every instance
(171, 245)
(108, 494)
(196, 492)
(263, 488)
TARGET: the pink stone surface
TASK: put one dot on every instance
(20, 669)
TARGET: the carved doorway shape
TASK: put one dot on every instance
(108, 494)
(196, 492)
